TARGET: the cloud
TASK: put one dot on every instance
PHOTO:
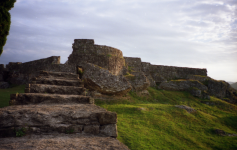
(199, 33)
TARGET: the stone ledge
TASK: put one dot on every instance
(62, 141)
(41, 98)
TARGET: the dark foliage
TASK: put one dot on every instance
(5, 21)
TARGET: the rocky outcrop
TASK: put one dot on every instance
(196, 88)
(218, 88)
(222, 90)
(99, 79)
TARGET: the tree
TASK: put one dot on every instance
(5, 21)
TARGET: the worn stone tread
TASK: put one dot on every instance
(59, 74)
(60, 81)
(42, 98)
(62, 142)
(55, 89)
(38, 119)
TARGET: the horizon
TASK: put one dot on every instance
(197, 34)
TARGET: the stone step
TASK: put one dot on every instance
(55, 89)
(59, 81)
(47, 119)
(40, 98)
(59, 74)
(62, 142)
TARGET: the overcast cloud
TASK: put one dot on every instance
(186, 33)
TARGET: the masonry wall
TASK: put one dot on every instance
(32, 66)
(161, 73)
(173, 72)
(133, 63)
(85, 51)
(21, 73)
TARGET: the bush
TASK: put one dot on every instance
(5, 21)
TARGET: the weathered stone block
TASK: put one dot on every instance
(42, 98)
(92, 129)
(109, 130)
(107, 118)
(55, 89)
(101, 80)
(138, 81)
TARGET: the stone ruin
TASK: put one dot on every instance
(107, 72)
(57, 108)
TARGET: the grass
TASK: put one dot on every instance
(160, 125)
(163, 126)
(5, 94)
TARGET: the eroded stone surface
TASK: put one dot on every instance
(42, 98)
(53, 118)
(55, 89)
(62, 142)
(109, 130)
(59, 81)
(101, 80)
(138, 81)
(84, 50)
(67, 75)
(180, 85)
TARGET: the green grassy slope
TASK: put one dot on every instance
(234, 85)
(5, 94)
(163, 126)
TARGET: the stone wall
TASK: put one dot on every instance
(21, 73)
(161, 73)
(133, 63)
(173, 72)
(32, 66)
(85, 51)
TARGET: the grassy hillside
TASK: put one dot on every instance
(234, 85)
(163, 126)
(5, 94)
(153, 122)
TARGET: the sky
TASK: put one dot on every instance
(185, 33)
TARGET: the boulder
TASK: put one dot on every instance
(102, 80)
(138, 81)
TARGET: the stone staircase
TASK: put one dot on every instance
(55, 108)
